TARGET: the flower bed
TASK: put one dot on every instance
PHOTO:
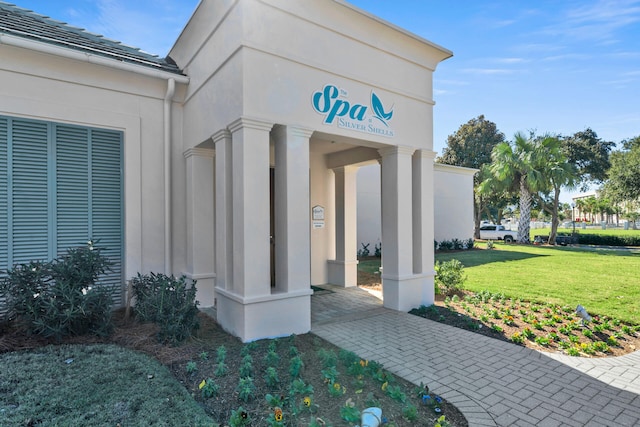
(542, 326)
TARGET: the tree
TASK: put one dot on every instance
(589, 154)
(558, 173)
(519, 166)
(624, 175)
(471, 147)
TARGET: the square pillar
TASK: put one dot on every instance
(247, 307)
(250, 204)
(224, 211)
(423, 222)
(343, 270)
(200, 223)
(402, 289)
(292, 211)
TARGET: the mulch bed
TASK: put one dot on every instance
(201, 350)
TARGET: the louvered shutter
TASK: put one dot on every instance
(72, 187)
(60, 185)
(4, 226)
(106, 202)
(29, 191)
(4, 236)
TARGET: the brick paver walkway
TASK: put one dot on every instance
(494, 383)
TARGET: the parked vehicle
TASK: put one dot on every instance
(497, 232)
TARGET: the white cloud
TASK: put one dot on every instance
(596, 21)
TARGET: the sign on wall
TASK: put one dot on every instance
(335, 105)
(317, 214)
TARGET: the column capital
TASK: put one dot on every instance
(250, 123)
(199, 152)
(345, 169)
(293, 130)
(221, 135)
(426, 154)
(399, 149)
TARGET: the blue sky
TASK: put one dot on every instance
(549, 66)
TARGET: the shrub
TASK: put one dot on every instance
(449, 276)
(169, 302)
(457, 244)
(470, 243)
(59, 298)
(364, 252)
(446, 245)
(377, 250)
(608, 240)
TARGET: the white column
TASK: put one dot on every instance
(343, 270)
(223, 208)
(246, 306)
(200, 223)
(250, 204)
(397, 216)
(292, 212)
(423, 221)
(402, 289)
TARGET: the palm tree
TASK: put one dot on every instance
(558, 173)
(519, 166)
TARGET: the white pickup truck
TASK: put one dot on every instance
(497, 232)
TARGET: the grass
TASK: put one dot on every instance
(589, 230)
(606, 282)
(369, 265)
(80, 385)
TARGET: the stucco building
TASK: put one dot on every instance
(232, 161)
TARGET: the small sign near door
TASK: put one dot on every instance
(317, 215)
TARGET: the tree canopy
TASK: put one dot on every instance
(590, 154)
(472, 143)
(471, 147)
(624, 175)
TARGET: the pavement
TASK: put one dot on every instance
(493, 383)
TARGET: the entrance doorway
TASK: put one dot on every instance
(272, 225)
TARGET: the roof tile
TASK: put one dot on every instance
(25, 23)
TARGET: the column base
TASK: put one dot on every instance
(406, 293)
(343, 273)
(205, 288)
(271, 316)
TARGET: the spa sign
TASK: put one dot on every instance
(336, 107)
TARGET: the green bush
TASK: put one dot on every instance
(449, 276)
(59, 298)
(608, 240)
(168, 302)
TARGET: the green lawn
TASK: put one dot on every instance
(604, 282)
(590, 230)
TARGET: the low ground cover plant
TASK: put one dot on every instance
(92, 385)
(543, 326)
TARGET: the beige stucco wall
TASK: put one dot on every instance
(47, 87)
(453, 203)
(265, 59)
(253, 68)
